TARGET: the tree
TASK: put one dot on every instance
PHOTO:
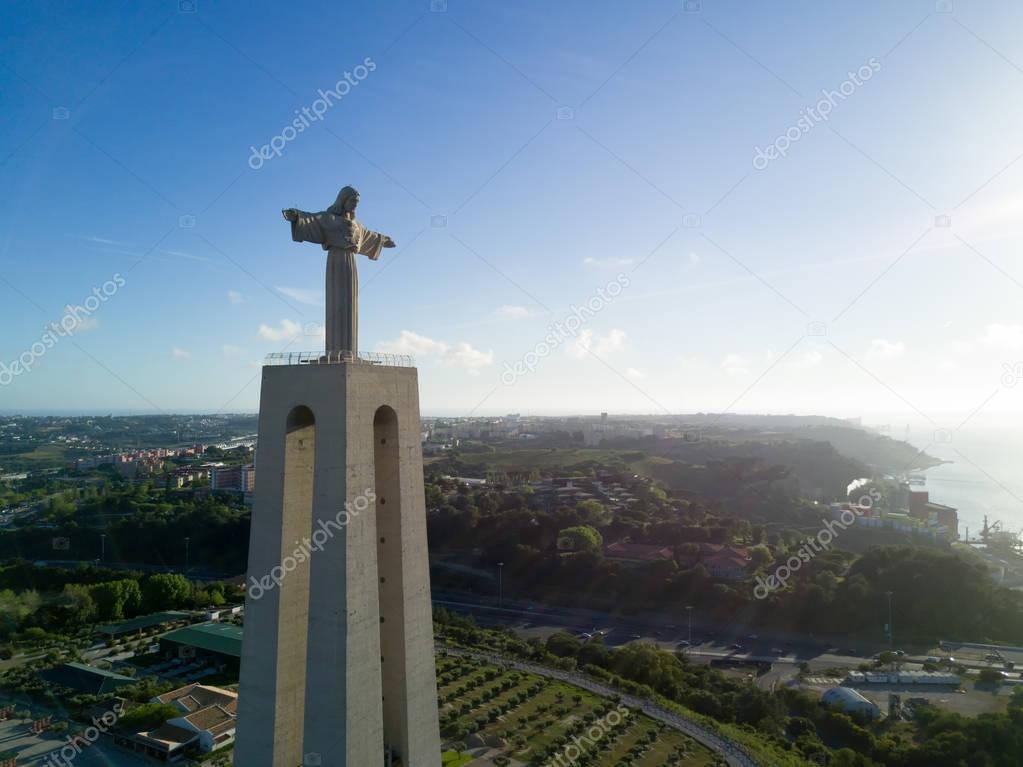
(116, 599)
(593, 513)
(563, 645)
(78, 602)
(759, 556)
(593, 653)
(165, 591)
(148, 716)
(990, 675)
(580, 538)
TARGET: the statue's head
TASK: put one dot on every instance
(347, 200)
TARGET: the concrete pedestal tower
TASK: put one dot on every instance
(337, 658)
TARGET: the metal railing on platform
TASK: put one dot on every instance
(340, 358)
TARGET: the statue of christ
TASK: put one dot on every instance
(342, 236)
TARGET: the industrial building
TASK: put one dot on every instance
(85, 679)
(903, 677)
(219, 642)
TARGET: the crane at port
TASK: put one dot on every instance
(996, 536)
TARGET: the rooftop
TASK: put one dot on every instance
(194, 697)
(84, 678)
(222, 638)
(639, 551)
(142, 622)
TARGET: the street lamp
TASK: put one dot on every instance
(689, 612)
(891, 628)
(500, 584)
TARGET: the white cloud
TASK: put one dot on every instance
(588, 341)
(590, 261)
(994, 219)
(235, 297)
(734, 365)
(612, 342)
(105, 241)
(414, 344)
(303, 295)
(465, 356)
(188, 256)
(84, 325)
(692, 364)
(881, 348)
(809, 359)
(513, 312)
(694, 258)
(230, 351)
(288, 330)
(1004, 336)
(180, 354)
(462, 355)
(634, 374)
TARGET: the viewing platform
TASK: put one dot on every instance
(278, 359)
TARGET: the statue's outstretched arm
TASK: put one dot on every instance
(305, 227)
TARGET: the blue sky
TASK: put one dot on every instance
(560, 145)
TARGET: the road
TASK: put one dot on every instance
(667, 632)
(731, 751)
(778, 648)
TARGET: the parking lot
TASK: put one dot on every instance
(34, 750)
(977, 699)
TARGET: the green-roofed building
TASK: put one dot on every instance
(222, 641)
(143, 622)
(87, 679)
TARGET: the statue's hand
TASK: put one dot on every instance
(290, 214)
(389, 243)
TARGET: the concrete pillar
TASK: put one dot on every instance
(354, 614)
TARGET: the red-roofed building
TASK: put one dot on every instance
(726, 565)
(725, 562)
(639, 553)
(206, 724)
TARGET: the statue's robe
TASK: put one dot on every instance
(342, 238)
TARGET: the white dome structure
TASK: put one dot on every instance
(850, 701)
